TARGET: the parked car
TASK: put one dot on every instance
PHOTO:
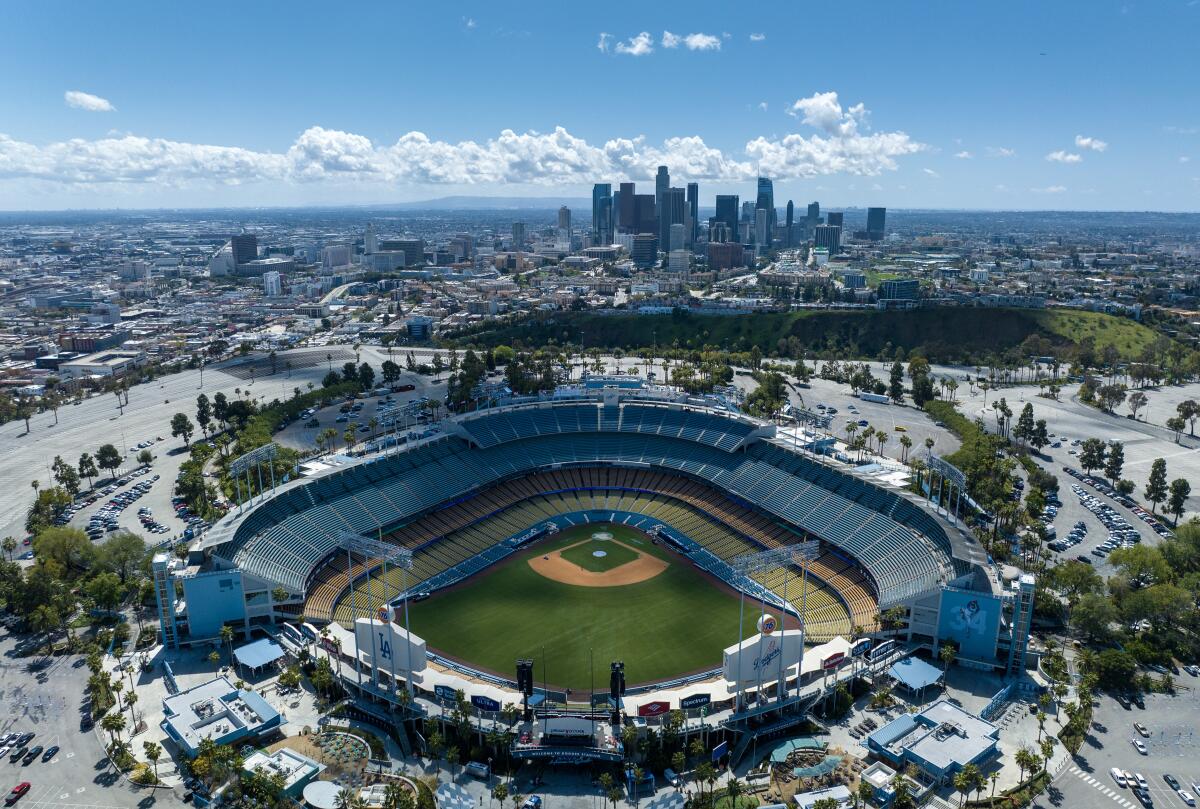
(17, 792)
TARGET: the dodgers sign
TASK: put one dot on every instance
(387, 646)
(760, 657)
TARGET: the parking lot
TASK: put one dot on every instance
(44, 696)
(1172, 748)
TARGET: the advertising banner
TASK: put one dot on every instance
(445, 692)
(972, 621)
(860, 648)
(485, 703)
(719, 751)
(881, 651)
(656, 708)
(833, 661)
(695, 701)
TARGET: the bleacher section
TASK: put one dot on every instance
(903, 549)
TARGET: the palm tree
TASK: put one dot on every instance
(962, 785)
(214, 657)
(947, 654)
(227, 638)
(734, 791)
(349, 798)
(153, 754)
(396, 797)
(129, 701)
(113, 724)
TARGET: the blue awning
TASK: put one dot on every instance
(258, 654)
(915, 674)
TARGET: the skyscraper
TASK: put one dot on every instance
(643, 214)
(766, 202)
(835, 218)
(762, 227)
(876, 223)
(693, 203)
(245, 247)
(829, 237)
(564, 219)
(370, 239)
(672, 209)
(645, 249)
(814, 214)
(627, 208)
(662, 181)
(791, 211)
(727, 214)
(518, 235)
(602, 208)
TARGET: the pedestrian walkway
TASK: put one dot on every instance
(1104, 788)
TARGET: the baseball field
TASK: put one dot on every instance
(598, 592)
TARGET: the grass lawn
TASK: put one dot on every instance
(584, 555)
(675, 623)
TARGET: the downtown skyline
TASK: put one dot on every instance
(140, 107)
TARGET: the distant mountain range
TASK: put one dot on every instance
(464, 203)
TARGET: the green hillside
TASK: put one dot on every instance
(944, 334)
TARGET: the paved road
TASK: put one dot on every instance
(45, 696)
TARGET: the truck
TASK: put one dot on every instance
(878, 398)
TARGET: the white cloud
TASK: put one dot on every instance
(931, 173)
(964, 155)
(86, 101)
(824, 111)
(693, 42)
(762, 105)
(1064, 157)
(1095, 144)
(602, 44)
(320, 155)
(639, 45)
(1185, 159)
(1050, 189)
(1001, 151)
(469, 22)
(757, 37)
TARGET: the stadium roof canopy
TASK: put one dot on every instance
(915, 674)
(258, 654)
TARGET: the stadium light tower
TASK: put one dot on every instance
(785, 556)
(401, 557)
(254, 459)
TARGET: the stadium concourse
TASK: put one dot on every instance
(719, 483)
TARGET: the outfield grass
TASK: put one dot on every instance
(675, 623)
(614, 555)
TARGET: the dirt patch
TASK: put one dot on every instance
(554, 567)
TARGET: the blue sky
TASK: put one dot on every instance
(1073, 105)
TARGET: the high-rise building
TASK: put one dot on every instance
(829, 237)
(899, 289)
(693, 204)
(835, 218)
(564, 225)
(727, 214)
(662, 181)
(876, 223)
(335, 255)
(626, 205)
(672, 209)
(413, 249)
(645, 249)
(371, 239)
(679, 261)
(272, 285)
(645, 220)
(245, 247)
(725, 255)
(602, 209)
(791, 212)
(518, 235)
(762, 229)
(766, 202)
(814, 214)
(678, 235)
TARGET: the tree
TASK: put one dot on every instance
(109, 457)
(1025, 424)
(10, 545)
(113, 724)
(68, 548)
(1091, 454)
(1115, 462)
(87, 468)
(1040, 437)
(947, 654)
(214, 657)
(1137, 400)
(823, 803)
(366, 376)
(1176, 501)
(896, 383)
(1074, 579)
(181, 427)
(105, 590)
(204, 413)
(1189, 410)
(1094, 615)
(227, 634)
(1156, 486)
(65, 475)
(1110, 397)
(1176, 424)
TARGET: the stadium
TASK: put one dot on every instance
(607, 521)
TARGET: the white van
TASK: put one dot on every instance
(671, 778)
(478, 769)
